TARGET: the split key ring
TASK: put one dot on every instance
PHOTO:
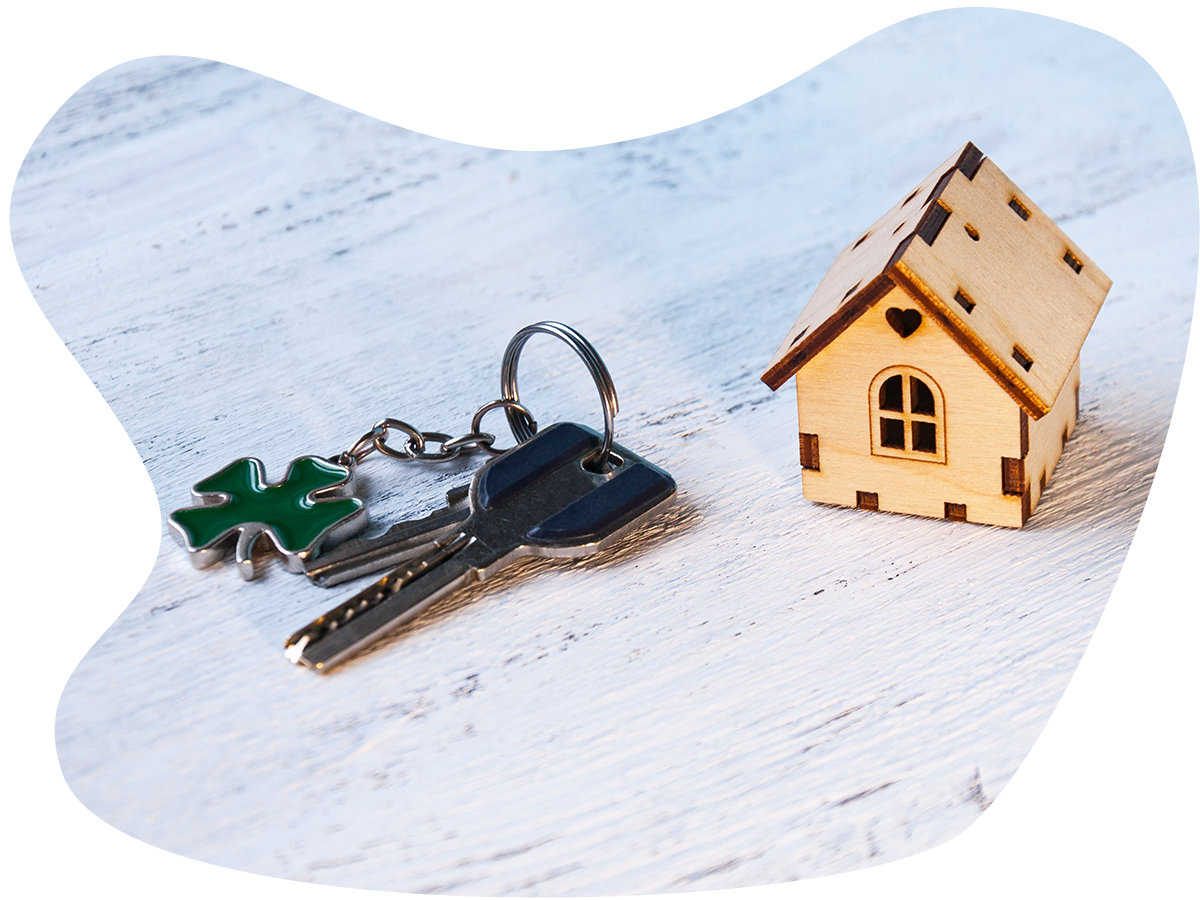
(519, 423)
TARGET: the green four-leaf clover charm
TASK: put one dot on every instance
(311, 506)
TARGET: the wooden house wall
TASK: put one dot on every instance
(980, 423)
(1048, 435)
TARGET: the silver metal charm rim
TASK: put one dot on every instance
(512, 407)
(591, 359)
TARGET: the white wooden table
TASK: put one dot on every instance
(758, 689)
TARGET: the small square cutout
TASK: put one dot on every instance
(1012, 476)
(956, 512)
(891, 433)
(867, 500)
(810, 452)
(924, 437)
(1024, 360)
(1019, 208)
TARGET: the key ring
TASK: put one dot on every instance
(595, 366)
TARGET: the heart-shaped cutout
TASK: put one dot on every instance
(903, 321)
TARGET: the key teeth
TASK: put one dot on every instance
(312, 636)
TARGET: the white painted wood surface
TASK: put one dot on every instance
(760, 689)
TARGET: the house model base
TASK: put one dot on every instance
(937, 363)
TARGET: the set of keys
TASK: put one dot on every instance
(563, 492)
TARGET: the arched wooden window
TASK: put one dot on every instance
(907, 415)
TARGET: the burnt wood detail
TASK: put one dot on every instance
(970, 161)
(956, 512)
(810, 452)
(1024, 434)
(932, 222)
(1012, 475)
(903, 321)
(927, 299)
(1019, 208)
(824, 333)
(855, 305)
(1023, 359)
(868, 500)
(1026, 506)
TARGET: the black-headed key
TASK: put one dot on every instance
(536, 500)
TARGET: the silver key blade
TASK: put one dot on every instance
(402, 542)
(387, 604)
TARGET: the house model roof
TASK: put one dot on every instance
(978, 256)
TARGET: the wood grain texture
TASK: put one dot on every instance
(977, 422)
(853, 282)
(1048, 438)
(978, 425)
(1026, 300)
(1002, 250)
(758, 688)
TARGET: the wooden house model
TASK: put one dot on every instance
(937, 363)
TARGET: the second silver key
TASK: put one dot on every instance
(401, 542)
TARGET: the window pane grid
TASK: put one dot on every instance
(908, 416)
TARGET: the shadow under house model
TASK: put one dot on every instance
(937, 364)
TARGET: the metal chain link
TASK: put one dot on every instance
(520, 420)
(415, 446)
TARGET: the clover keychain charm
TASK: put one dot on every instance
(312, 506)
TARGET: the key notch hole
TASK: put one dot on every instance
(614, 462)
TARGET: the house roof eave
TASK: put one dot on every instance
(899, 275)
(799, 348)
(812, 343)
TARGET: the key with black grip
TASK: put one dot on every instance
(539, 499)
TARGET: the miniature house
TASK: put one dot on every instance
(937, 363)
